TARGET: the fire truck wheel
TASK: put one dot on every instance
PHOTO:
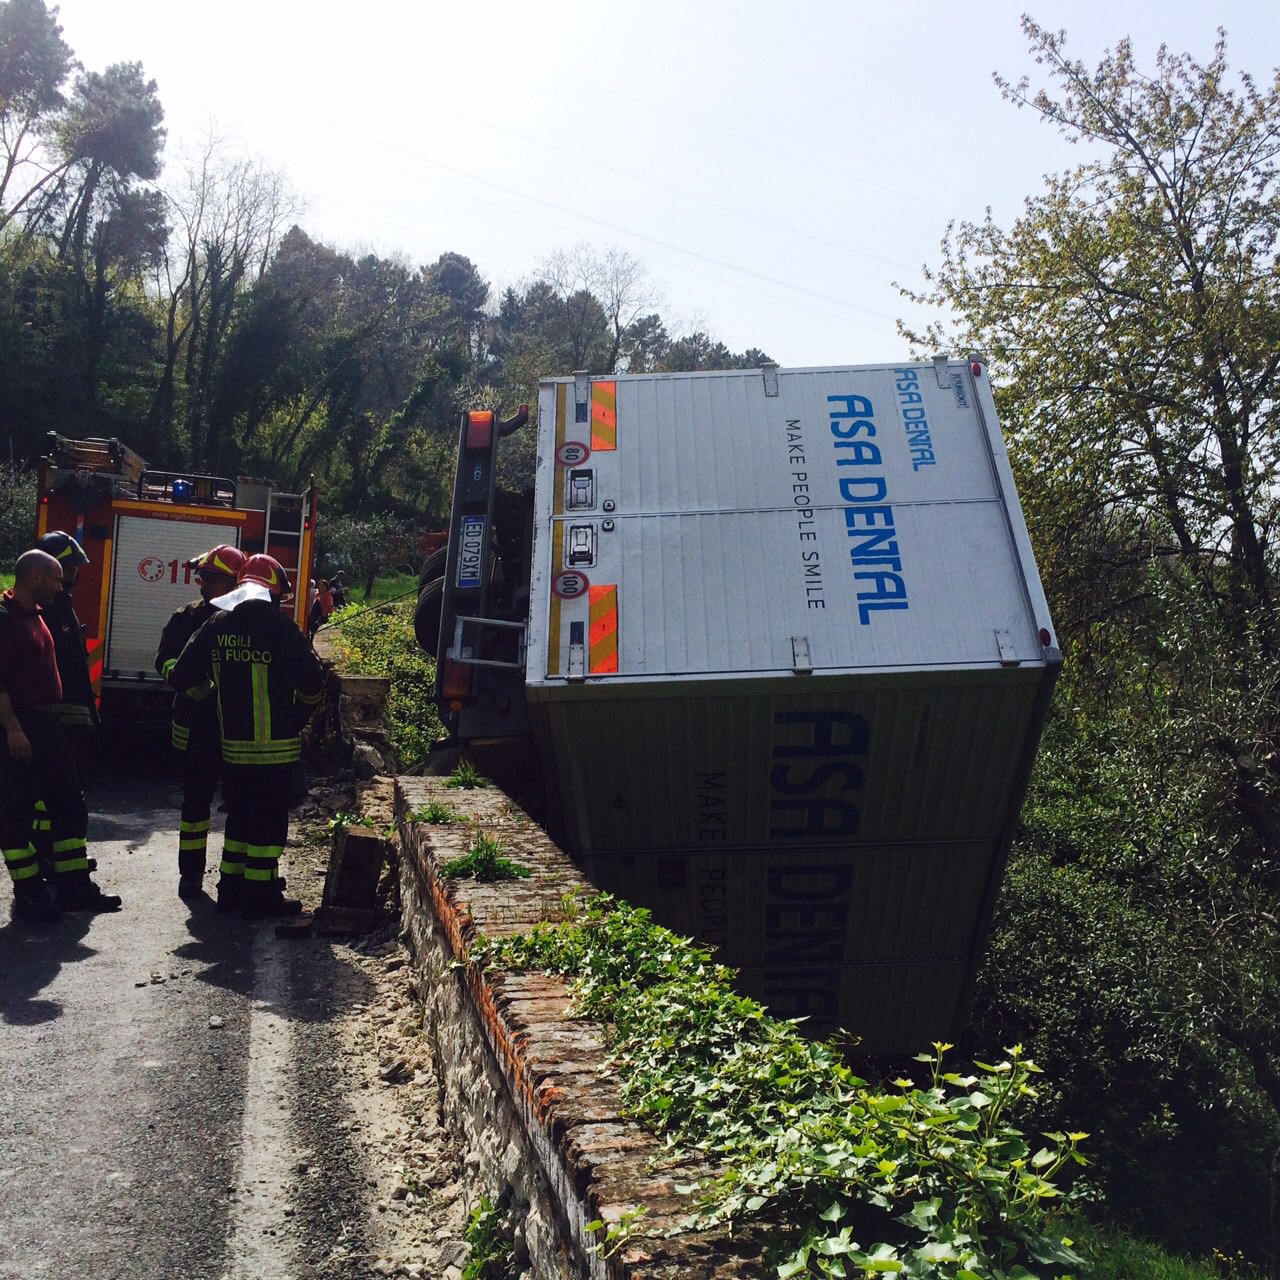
(426, 617)
(433, 567)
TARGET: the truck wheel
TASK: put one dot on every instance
(433, 567)
(426, 617)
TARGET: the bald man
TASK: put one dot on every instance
(37, 760)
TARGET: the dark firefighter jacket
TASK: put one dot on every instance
(267, 676)
(195, 710)
(78, 705)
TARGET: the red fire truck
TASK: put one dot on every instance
(141, 528)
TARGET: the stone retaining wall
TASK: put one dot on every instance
(522, 1076)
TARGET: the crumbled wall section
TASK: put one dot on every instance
(353, 722)
(523, 1076)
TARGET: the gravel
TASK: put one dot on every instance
(389, 1114)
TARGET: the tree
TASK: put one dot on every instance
(111, 130)
(229, 215)
(699, 350)
(367, 546)
(87, 212)
(17, 512)
(465, 293)
(119, 320)
(599, 296)
(1133, 312)
(1132, 315)
(340, 366)
(34, 63)
(645, 343)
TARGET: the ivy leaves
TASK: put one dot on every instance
(927, 1179)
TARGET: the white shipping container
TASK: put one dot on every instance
(787, 644)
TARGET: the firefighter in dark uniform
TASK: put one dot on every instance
(268, 681)
(194, 727)
(78, 710)
(37, 760)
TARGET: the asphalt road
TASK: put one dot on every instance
(170, 1100)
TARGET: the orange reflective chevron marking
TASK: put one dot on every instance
(604, 415)
(604, 629)
(93, 648)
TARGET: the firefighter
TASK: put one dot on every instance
(194, 727)
(37, 759)
(268, 681)
(78, 710)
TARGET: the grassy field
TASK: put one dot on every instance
(1113, 1255)
(394, 586)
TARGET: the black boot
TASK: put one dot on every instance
(230, 893)
(265, 900)
(76, 892)
(190, 874)
(34, 900)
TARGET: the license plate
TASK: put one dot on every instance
(470, 551)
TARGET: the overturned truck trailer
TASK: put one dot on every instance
(786, 667)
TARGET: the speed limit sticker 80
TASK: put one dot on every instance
(573, 453)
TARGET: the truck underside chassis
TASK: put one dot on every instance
(508, 572)
(473, 599)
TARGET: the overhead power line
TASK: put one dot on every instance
(527, 197)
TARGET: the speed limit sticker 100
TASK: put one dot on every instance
(570, 584)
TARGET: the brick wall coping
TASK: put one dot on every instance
(598, 1163)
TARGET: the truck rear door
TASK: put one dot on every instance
(149, 580)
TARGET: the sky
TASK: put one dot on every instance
(778, 168)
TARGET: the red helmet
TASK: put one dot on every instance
(265, 570)
(226, 560)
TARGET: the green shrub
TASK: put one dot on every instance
(17, 512)
(484, 861)
(435, 813)
(466, 777)
(1112, 1255)
(1135, 960)
(350, 820)
(491, 1253)
(927, 1179)
(380, 642)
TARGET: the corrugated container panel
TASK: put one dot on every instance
(698, 444)
(823, 932)
(939, 762)
(894, 1008)
(725, 593)
(952, 770)
(714, 441)
(869, 902)
(680, 463)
